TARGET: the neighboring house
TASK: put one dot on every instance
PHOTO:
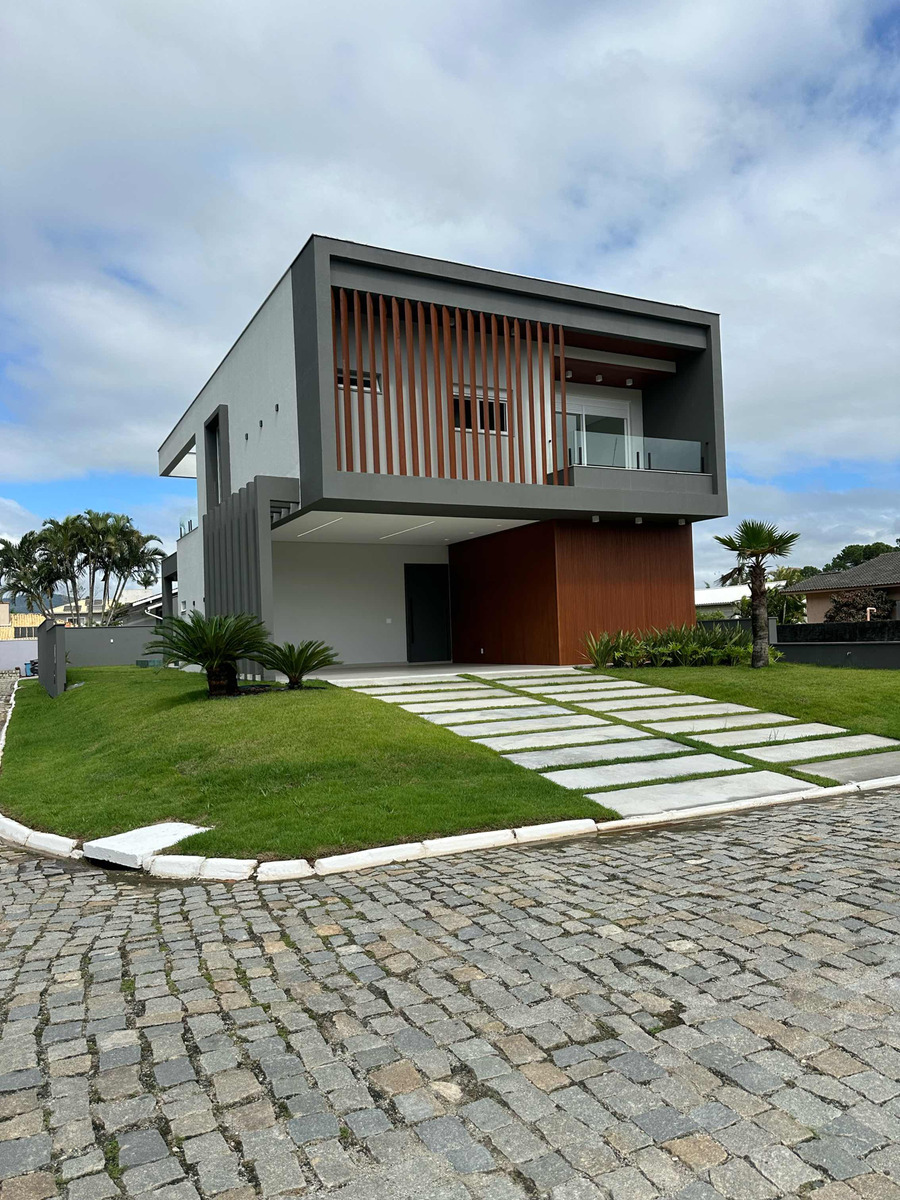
(17, 625)
(417, 460)
(881, 572)
(723, 600)
(726, 600)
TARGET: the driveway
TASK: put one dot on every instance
(702, 1011)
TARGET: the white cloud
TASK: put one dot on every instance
(15, 520)
(742, 158)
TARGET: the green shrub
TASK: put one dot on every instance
(676, 646)
(295, 661)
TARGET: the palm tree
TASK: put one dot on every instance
(27, 570)
(297, 661)
(756, 543)
(96, 528)
(213, 643)
(65, 542)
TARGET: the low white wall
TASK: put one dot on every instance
(351, 596)
(16, 653)
(190, 571)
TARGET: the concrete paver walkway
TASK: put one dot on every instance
(700, 1012)
(520, 710)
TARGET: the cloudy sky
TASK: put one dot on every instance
(163, 162)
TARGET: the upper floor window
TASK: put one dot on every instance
(24, 631)
(487, 408)
(366, 380)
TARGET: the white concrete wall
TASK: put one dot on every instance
(256, 375)
(351, 596)
(190, 572)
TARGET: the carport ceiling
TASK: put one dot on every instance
(387, 529)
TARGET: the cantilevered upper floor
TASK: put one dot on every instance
(392, 383)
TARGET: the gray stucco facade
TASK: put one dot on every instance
(277, 433)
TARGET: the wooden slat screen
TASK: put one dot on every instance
(447, 393)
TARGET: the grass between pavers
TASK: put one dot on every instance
(692, 681)
(282, 774)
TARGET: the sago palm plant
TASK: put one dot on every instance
(295, 661)
(213, 643)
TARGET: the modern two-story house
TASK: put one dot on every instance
(415, 460)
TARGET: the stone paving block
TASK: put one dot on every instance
(141, 1146)
(545, 718)
(453, 707)
(458, 721)
(584, 778)
(447, 1136)
(23, 1155)
(708, 723)
(645, 699)
(776, 733)
(663, 797)
(600, 692)
(820, 748)
(855, 770)
(647, 747)
(562, 737)
(650, 715)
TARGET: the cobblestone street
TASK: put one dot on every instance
(695, 1012)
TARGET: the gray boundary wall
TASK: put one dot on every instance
(872, 656)
(113, 646)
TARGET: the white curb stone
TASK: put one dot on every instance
(290, 868)
(130, 849)
(701, 724)
(780, 733)
(14, 832)
(489, 714)
(822, 748)
(584, 778)
(468, 841)
(52, 843)
(562, 737)
(380, 856)
(556, 829)
(175, 866)
(227, 869)
(536, 760)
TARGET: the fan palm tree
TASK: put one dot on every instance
(756, 543)
(297, 661)
(213, 643)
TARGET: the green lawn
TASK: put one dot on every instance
(282, 774)
(861, 701)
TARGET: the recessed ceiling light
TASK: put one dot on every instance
(598, 378)
(411, 529)
(629, 382)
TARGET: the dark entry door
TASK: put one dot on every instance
(427, 612)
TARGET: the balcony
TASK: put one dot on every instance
(447, 393)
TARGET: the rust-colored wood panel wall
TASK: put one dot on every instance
(529, 595)
(621, 576)
(503, 597)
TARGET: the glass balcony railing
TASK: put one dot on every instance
(602, 441)
(186, 524)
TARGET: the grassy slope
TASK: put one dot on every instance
(862, 701)
(284, 774)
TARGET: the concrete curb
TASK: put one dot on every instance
(232, 870)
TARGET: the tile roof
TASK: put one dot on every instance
(883, 571)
